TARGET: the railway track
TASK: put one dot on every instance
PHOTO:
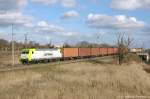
(29, 66)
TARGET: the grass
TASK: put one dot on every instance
(6, 58)
(83, 80)
(93, 79)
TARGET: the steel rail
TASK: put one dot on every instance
(22, 67)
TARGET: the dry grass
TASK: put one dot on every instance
(6, 57)
(85, 80)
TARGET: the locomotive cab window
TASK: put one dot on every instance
(25, 52)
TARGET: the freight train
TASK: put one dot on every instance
(48, 55)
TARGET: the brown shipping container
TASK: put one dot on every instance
(70, 52)
(95, 51)
(84, 51)
(103, 51)
(115, 50)
(110, 50)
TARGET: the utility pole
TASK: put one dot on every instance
(26, 40)
(13, 57)
(50, 43)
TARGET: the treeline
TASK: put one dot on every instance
(6, 45)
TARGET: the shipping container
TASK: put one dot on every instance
(103, 51)
(95, 51)
(84, 52)
(115, 50)
(70, 52)
(110, 51)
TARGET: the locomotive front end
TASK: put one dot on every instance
(24, 56)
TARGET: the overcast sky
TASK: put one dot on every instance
(71, 21)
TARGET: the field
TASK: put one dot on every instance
(6, 58)
(91, 79)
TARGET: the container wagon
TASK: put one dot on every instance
(70, 52)
(103, 51)
(84, 52)
(110, 51)
(95, 52)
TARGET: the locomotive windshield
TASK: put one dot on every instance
(25, 52)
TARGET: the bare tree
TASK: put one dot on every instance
(123, 44)
(66, 45)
